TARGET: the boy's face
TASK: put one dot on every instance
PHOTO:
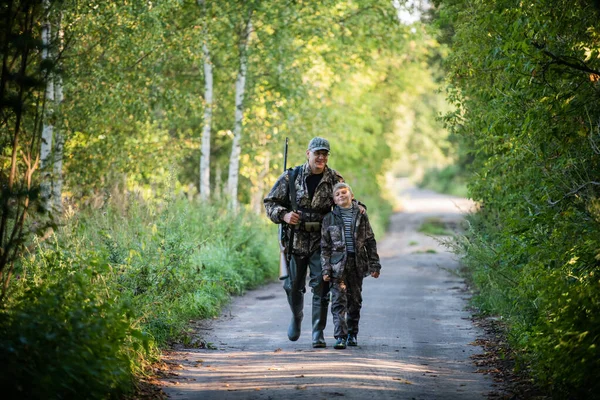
(343, 197)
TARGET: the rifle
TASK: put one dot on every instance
(283, 257)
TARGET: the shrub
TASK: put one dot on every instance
(92, 305)
(65, 334)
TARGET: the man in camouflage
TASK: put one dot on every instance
(313, 185)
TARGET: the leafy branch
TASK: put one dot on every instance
(562, 60)
(573, 192)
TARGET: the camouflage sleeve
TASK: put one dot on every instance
(371, 243)
(325, 248)
(277, 199)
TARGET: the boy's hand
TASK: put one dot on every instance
(326, 278)
(375, 274)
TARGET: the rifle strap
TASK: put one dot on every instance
(292, 174)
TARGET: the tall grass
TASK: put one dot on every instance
(98, 300)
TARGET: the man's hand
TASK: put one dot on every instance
(326, 278)
(361, 209)
(291, 218)
(375, 274)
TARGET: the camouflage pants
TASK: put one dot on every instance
(346, 300)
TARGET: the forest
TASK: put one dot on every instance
(139, 139)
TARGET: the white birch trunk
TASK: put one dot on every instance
(240, 87)
(47, 127)
(57, 177)
(205, 145)
(204, 182)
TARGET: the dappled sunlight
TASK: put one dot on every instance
(329, 369)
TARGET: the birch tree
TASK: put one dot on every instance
(48, 127)
(204, 185)
(57, 173)
(240, 87)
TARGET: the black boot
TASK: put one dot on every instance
(295, 299)
(319, 320)
(295, 326)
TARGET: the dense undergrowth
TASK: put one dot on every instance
(91, 306)
(524, 78)
(549, 297)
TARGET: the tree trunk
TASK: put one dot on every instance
(57, 177)
(204, 183)
(205, 145)
(48, 128)
(240, 87)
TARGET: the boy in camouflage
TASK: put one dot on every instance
(348, 254)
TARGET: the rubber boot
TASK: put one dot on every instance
(295, 326)
(319, 320)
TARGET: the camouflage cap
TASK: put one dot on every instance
(318, 143)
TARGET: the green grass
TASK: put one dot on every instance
(449, 180)
(434, 226)
(93, 305)
(428, 251)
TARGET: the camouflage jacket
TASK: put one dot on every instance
(333, 244)
(277, 204)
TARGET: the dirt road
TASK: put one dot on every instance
(414, 340)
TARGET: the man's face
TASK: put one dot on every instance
(317, 160)
(343, 197)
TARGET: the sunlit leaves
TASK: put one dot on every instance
(526, 101)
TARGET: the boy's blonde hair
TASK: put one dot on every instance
(340, 185)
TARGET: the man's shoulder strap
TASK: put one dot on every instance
(292, 175)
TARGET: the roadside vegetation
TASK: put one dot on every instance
(449, 180)
(94, 303)
(434, 226)
(524, 79)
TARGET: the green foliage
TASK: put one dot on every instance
(91, 307)
(64, 334)
(22, 91)
(185, 256)
(449, 180)
(524, 80)
(434, 226)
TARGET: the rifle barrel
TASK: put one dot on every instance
(283, 259)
